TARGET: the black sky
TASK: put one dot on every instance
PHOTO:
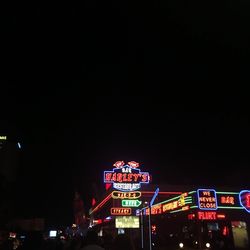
(163, 83)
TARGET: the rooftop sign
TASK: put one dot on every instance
(126, 177)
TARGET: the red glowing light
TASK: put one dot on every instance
(119, 164)
(210, 216)
(108, 186)
(225, 231)
(133, 164)
(221, 216)
(207, 216)
(191, 216)
(120, 211)
(101, 203)
(99, 221)
(93, 202)
(248, 201)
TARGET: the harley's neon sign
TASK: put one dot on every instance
(126, 177)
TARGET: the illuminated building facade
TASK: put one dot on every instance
(9, 162)
(201, 218)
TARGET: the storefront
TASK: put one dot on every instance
(129, 189)
(202, 218)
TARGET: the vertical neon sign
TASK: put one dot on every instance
(244, 197)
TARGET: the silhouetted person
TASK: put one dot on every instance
(123, 242)
(34, 241)
(91, 241)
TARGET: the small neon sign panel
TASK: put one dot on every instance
(131, 203)
(120, 211)
(126, 195)
(126, 177)
(207, 199)
(244, 197)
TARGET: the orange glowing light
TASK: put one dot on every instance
(120, 211)
(126, 195)
(227, 200)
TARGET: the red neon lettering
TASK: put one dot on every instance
(144, 178)
(125, 177)
(231, 200)
(119, 177)
(136, 176)
(130, 177)
(207, 199)
(223, 199)
(113, 177)
(206, 193)
(248, 200)
(207, 215)
(108, 176)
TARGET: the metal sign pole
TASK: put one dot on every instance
(149, 228)
(142, 230)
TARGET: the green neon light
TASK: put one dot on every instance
(194, 207)
(172, 199)
(192, 192)
(131, 203)
(227, 192)
(187, 199)
(231, 207)
(176, 211)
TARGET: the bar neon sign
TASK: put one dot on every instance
(207, 199)
(120, 211)
(227, 200)
(126, 177)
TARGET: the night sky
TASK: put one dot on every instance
(164, 84)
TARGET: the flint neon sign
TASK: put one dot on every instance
(126, 177)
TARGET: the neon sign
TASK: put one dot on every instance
(244, 197)
(126, 195)
(3, 137)
(181, 202)
(156, 209)
(207, 199)
(227, 200)
(131, 203)
(210, 216)
(126, 177)
(120, 211)
(127, 222)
